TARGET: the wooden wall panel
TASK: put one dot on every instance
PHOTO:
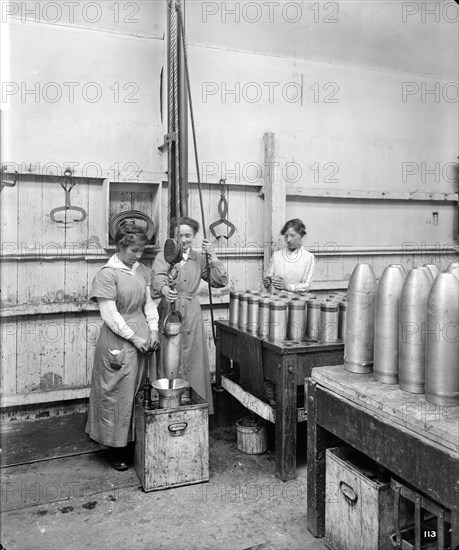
(56, 350)
(76, 281)
(8, 356)
(51, 347)
(75, 350)
(9, 244)
(29, 348)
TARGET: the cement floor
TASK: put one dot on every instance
(80, 502)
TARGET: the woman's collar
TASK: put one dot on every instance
(191, 254)
(116, 263)
(296, 251)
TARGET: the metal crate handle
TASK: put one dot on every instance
(178, 429)
(349, 493)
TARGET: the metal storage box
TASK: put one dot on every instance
(172, 445)
(358, 509)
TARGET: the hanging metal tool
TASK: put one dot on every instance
(67, 186)
(9, 183)
(223, 211)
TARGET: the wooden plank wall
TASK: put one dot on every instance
(49, 331)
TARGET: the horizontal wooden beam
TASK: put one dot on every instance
(254, 404)
(370, 194)
(248, 400)
(219, 296)
(26, 310)
(36, 398)
(254, 251)
(13, 252)
(51, 171)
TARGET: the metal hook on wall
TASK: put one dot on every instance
(9, 183)
(222, 211)
(67, 186)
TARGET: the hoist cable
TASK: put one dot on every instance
(176, 114)
(198, 174)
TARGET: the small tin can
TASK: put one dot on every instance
(296, 314)
(243, 310)
(263, 317)
(328, 322)
(234, 307)
(252, 313)
(313, 319)
(277, 324)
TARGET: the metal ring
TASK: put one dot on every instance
(117, 219)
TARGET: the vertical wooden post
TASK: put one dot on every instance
(275, 198)
(318, 440)
(286, 417)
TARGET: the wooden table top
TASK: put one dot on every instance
(284, 346)
(437, 424)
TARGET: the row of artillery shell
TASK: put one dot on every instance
(406, 329)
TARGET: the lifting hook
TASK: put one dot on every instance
(223, 211)
(67, 186)
(9, 183)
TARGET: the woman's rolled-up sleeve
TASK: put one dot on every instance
(218, 276)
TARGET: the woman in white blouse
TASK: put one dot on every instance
(291, 268)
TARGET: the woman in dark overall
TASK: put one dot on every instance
(130, 330)
(194, 360)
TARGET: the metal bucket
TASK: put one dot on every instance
(252, 437)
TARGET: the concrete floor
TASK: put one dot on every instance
(80, 502)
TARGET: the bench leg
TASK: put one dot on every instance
(286, 420)
(318, 441)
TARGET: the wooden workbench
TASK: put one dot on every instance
(285, 365)
(414, 440)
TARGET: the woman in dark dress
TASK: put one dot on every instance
(194, 361)
(130, 329)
